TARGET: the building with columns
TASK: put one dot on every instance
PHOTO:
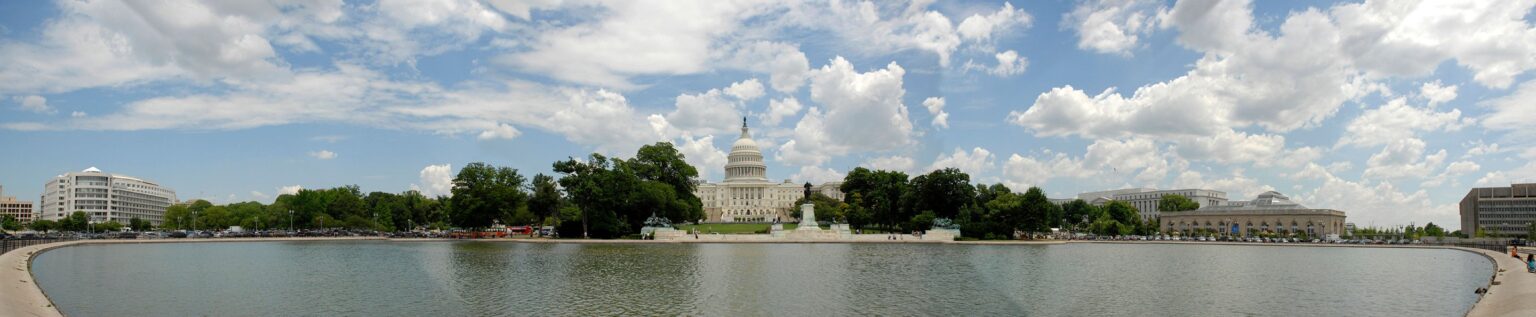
(747, 195)
(1145, 199)
(1270, 212)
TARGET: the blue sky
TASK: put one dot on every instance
(1388, 110)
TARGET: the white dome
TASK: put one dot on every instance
(92, 169)
(743, 144)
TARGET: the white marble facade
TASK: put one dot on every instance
(747, 195)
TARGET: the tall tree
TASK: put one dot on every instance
(546, 199)
(1039, 213)
(942, 191)
(661, 162)
(1176, 203)
(598, 187)
(1078, 212)
(483, 194)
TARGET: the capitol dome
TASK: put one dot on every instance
(745, 163)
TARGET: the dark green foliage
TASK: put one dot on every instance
(1176, 203)
(484, 194)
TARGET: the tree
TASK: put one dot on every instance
(1430, 229)
(9, 223)
(1122, 212)
(139, 224)
(483, 194)
(110, 226)
(883, 193)
(1530, 231)
(1039, 214)
(661, 162)
(942, 191)
(1176, 203)
(43, 225)
(546, 198)
(77, 221)
(827, 209)
(1078, 212)
(597, 187)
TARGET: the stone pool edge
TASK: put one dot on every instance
(26, 298)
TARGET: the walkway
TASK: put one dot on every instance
(1516, 293)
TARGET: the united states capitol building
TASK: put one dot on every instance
(747, 195)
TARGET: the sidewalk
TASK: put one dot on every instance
(1516, 293)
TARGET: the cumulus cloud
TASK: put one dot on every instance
(34, 103)
(780, 109)
(1009, 63)
(889, 26)
(862, 112)
(817, 175)
(1397, 120)
(745, 90)
(935, 107)
(785, 63)
(1111, 26)
(1403, 158)
(1436, 93)
(436, 180)
(323, 154)
(289, 190)
(891, 163)
(977, 162)
(703, 155)
(501, 131)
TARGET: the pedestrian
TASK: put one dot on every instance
(1530, 263)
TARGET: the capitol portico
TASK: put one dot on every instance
(747, 195)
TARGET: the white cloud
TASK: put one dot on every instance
(705, 113)
(401, 30)
(1513, 112)
(1436, 93)
(77, 114)
(260, 196)
(976, 163)
(1397, 120)
(34, 103)
(935, 107)
(863, 112)
(745, 90)
(1009, 63)
(1452, 173)
(1022, 172)
(1236, 185)
(323, 154)
(887, 26)
(633, 38)
(703, 155)
(1111, 26)
(780, 109)
(1478, 148)
(438, 180)
(1403, 158)
(501, 131)
(1232, 147)
(1380, 202)
(891, 163)
(817, 175)
(289, 190)
(786, 65)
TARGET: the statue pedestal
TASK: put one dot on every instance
(808, 218)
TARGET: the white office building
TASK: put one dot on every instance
(105, 197)
(747, 195)
(1145, 199)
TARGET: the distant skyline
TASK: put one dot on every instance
(1388, 110)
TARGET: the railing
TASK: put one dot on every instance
(7, 245)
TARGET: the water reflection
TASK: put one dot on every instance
(498, 278)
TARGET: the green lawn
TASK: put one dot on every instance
(736, 228)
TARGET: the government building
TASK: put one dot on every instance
(1271, 212)
(105, 197)
(1145, 199)
(20, 210)
(747, 195)
(1502, 211)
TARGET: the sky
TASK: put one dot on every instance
(1387, 110)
